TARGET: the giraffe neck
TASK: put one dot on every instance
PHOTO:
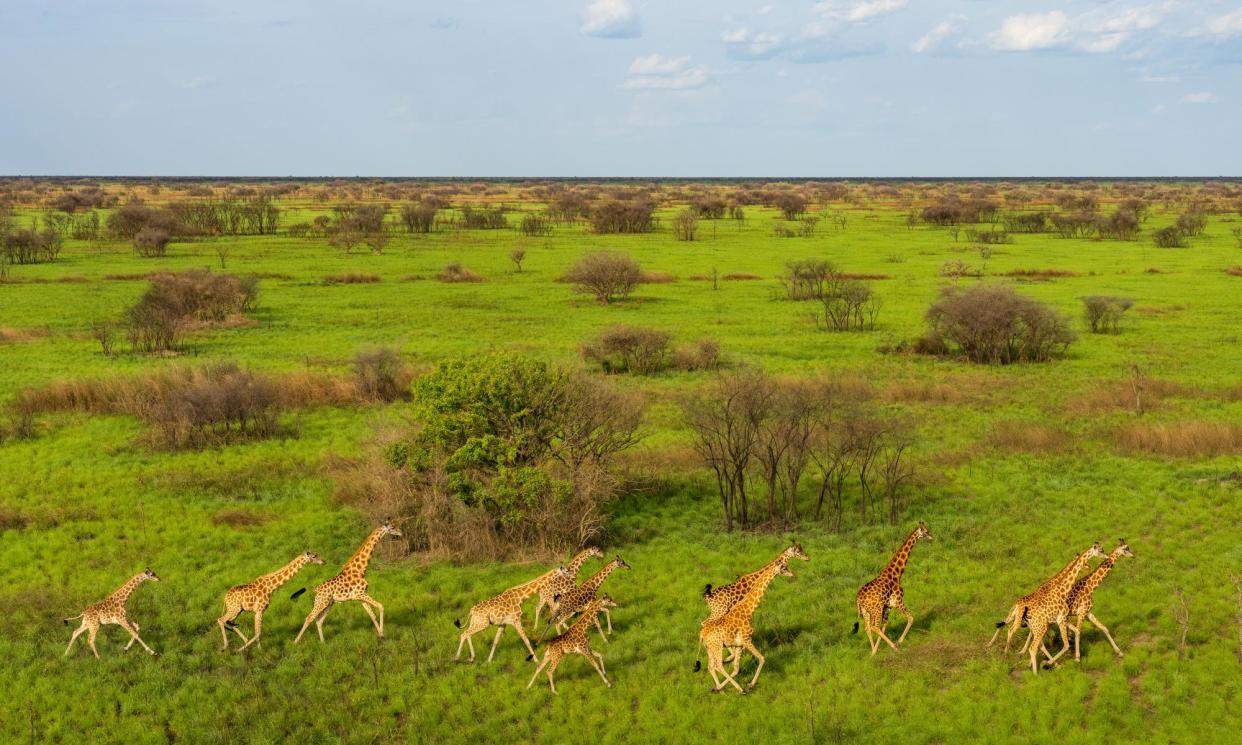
(575, 565)
(122, 593)
(362, 557)
(282, 575)
(1064, 581)
(1099, 573)
(597, 579)
(760, 587)
(588, 614)
(897, 565)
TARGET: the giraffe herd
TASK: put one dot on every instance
(1065, 600)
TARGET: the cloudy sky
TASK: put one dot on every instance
(621, 87)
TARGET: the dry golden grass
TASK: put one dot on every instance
(455, 272)
(861, 275)
(657, 278)
(959, 390)
(1035, 438)
(240, 518)
(740, 276)
(9, 335)
(1189, 439)
(1039, 273)
(1120, 395)
(1234, 270)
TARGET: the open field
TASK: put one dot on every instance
(1019, 467)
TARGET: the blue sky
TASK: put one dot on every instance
(621, 87)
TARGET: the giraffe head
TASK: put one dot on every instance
(795, 552)
(1095, 550)
(594, 552)
(389, 529)
(922, 532)
(782, 568)
(310, 557)
(563, 572)
(606, 601)
(620, 563)
(1123, 548)
(148, 576)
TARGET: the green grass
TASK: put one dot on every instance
(87, 503)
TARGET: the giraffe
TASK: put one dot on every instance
(111, 610)
(883, 593)
(734, 630)
(1082, 597)
(575, 641)
(721, 599)
(1046, 606)
(255, 596)
(504, 609)
(561, 585)
(350, 584)
(576, 599)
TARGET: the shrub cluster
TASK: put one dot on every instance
(623, 216)
(606, 275)
(1103, 313)
(994, 325)
(175, 300)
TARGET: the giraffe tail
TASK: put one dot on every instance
(295, 595)
(457, 622)
(855, 629)
(698, 665)
(999, 624)
(72, 618)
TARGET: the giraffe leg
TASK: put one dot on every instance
(258, 629)
(551, 673)
(607, 617)
(321, 606)
(599, 657)
(538, 608)
(909, 621)
(1038, 629)
(880, 632)
(368, 600)
(378, 629)
(726, 676)
(1091, 617)
(603, 637)
(319, 621)
(590, 655)
(539, 669)
(499, 630)
(90, 639)
(77, 632)
(737, 661)
(750, 647)
(1078, 639)
(133, 632)
(1065, 644)
(475, 624)
(231, 611)
(521, 632)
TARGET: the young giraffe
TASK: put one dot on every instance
(559, 584)
(111, 610)
(721, 599)
(883, 593)
(575, 641)
(1044, 607)
(255, 596)
(1082, 597)
(350, 584)
(504, 609)
(735, 630)
(578, 598)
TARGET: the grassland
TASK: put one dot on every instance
(86, 502)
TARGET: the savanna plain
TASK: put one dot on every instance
(208, 378)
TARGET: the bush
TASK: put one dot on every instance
(455, 272)
(805, 279)
(995, 325)
(606, 275)
(703, 354)
(848, 305)
(126, 222)
(632, 349)
(152, 242)
(174, 300)
(1103, 313)
(791, 205)
(484, 218)
(685, 225)
(534, 226)
(615, 216)
(352, 278)
(29, 246)
(511, 454)
(1169, 237)
(418, 218)
(381, 375)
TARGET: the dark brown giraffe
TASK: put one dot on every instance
(735, 630)
(575, 641)
(255, 596)
(1082, 598)
(884, 592)
(721, 599)
(558, 584)
(350, 584)
(503, 610)
(576, 599)
(111, 610)
(1046, 606)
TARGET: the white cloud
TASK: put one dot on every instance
(1024, 33)
(611, 19)
(200, 83)
(743, 44)
(657, 72)
(1159, 79)
(941, 31)
(855, 11)
(1201, 97)
(1227, 25)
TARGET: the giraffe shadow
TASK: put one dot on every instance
(776, 636)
